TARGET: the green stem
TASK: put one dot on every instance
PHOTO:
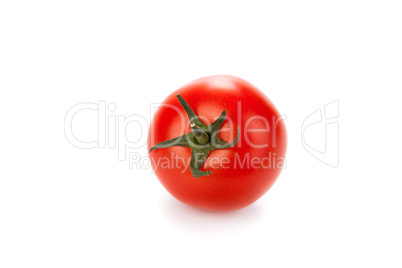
(201, 136)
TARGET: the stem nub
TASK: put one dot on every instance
(199, 134)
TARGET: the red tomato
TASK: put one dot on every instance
(232, 176)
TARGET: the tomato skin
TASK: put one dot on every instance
(229, 187)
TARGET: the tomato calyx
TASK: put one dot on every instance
(202, 139)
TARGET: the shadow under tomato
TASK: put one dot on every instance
(203, 221)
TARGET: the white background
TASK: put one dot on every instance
(61, 206)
